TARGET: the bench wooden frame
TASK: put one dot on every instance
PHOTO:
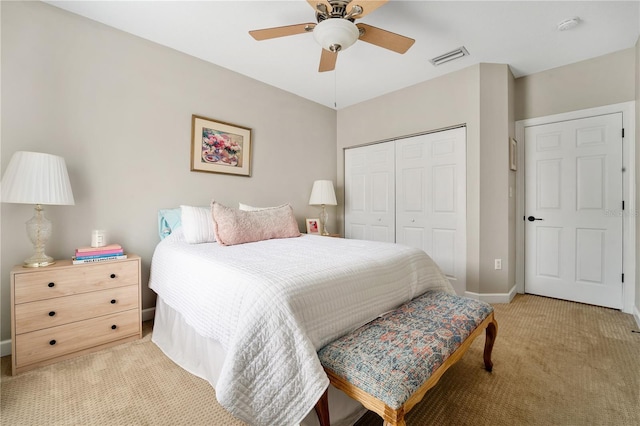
(395, 417)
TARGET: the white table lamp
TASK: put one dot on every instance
(37, 178)
(322, 194)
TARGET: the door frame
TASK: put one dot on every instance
(628, 192)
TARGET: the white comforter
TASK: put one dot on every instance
(273, 304)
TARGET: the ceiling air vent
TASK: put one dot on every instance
(450, 56)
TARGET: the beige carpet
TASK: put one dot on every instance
(555, 363)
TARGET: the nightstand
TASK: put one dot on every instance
(65, 310)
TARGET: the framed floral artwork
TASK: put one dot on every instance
(218, 147)
(313, 226)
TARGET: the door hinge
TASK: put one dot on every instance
(623, 132)
(622, 204)
(623, 278)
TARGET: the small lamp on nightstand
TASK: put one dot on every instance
(322, 194)
(37, 178)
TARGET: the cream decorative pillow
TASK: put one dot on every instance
(233, 226)
(197, 224)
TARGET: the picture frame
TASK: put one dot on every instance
(219, 147)
(313, 226)
(513, 154)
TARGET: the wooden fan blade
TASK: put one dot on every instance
(386, 39)
(367, 6)
(287, 30)
(314, 5)
(327, 60)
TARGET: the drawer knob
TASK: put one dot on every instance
(51, 284)
(113, 327)
(52, 342)
(113, 275)
(113, 301)
(52, 313)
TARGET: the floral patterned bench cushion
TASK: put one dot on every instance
(392, 356)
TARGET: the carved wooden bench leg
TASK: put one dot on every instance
(492, 332)
(322, 409)
(399, 423)
(391, 417)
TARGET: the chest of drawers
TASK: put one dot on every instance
(65, 310)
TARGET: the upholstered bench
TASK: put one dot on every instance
(390, 363)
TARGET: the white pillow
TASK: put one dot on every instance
(247, 208)
(197, 224)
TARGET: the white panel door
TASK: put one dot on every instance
(573, 190)
(431, 199)
(370, 192)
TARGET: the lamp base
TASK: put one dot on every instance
(39, 231)
(38, 263)
(324, 217)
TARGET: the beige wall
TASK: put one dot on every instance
(118, 109)
(497, 229)
(605, 80)
(450, 100)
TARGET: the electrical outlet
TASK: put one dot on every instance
(498, 264)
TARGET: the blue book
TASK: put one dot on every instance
(98, 259)
(98, 256)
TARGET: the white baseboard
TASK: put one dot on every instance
(636, 315)
(493, 297)
(148, 314)
(5, 345)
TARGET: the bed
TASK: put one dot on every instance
(249, 318)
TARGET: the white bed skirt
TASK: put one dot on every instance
(203, 357)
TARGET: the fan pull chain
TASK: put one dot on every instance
(335, 88)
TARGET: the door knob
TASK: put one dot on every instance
(531, 218)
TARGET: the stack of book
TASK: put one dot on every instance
(98, 254)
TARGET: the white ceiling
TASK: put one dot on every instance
(521, 34)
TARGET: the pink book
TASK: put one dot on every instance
(98, 252)
(109, 247)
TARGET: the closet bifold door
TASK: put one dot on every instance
(412, 191)
(430, 191)
(370, 192)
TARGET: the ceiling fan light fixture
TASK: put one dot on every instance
(336, 34)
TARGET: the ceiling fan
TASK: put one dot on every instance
(336, 30)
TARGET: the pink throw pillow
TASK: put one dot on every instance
(233, 226)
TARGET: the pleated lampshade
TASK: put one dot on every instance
(37, 178)
(322, 193)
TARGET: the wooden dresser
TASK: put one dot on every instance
(65, 310)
